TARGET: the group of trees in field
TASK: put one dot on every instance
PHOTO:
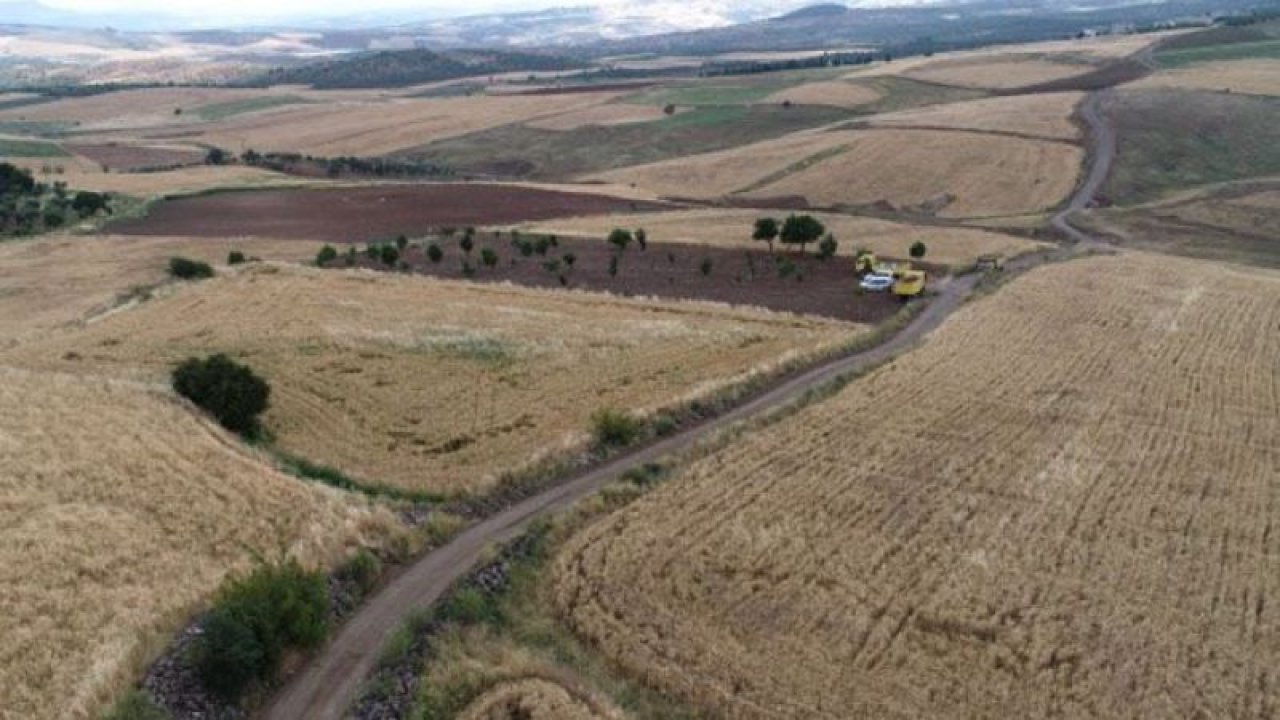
(310, 165)
(798, 230)
(28, 206)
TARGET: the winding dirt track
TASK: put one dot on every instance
(326, 686)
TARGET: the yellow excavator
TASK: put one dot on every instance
(909, 284)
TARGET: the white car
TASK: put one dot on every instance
(876, 283)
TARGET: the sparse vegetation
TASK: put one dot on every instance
(326, 255)
(620, 238)
(615, 428)
(188, 269)
(236, 257)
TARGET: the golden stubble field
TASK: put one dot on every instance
(1260, 76)
(999, 72)
(533, 699)
(121, 511)
(431, 385)
(1047, 115)
(1061, 505)
(724, 227)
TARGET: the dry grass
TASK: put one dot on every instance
(147, 108)
(835, 93)
(63, 282)
(995, 73)
(375, 128)
(732, 228)
(120, 512)
(532, 699)
(83, 174)
(431, 385)
(600, 115)
(986, 174)
(1059, 507)
(1046, 116)
(1253, 77)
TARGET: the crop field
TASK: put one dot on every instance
(1171, 140)
(1251, 77)
(731, 228)
(1234, 223)
(100, 475)
(1060, 506)
(601, 115)
(520, 150)
(953, 174)
(18, 148)
(83, 174)
(62, 282)
(116, 156)
(376, 128)
(437, 386)
(837, 93)
(151, 107)
(1045, 116)
(362, 213)
(1001, 73)
(533, 699)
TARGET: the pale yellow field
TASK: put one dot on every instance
(83, 174)
(431, 385)
(121, 511)
(835, 93)
(1254, 77)
(63, 282)
(732, 228)
(1046, 116)
(374, 128)
(1060, 506)
(995, 73)
(720, 173)
(986, 174)
(151, 107)
(605, 115)
(532, 699)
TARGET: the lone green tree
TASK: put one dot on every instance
(227, 390)
(918, 250)
(827, 247)
(801, 230)
(467, 243)
(489, 257)
(620, 239)
(766, 231)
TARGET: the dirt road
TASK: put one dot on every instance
(325, 688)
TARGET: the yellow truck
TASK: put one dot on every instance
(909, 284)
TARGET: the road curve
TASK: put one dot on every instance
(325, 688)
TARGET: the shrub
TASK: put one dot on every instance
(225, 389)
(489, 257)
(389, 255)
(827, 247)
(642, 239)
(526, 248)
(136, 705)
(235, 257)
(351, 257)
(613, 428)
(470, 606)
(569, 259)
(326, 255)
(87, 203)
(187, 269)
(551, 266)
(918, 249)
(278, 607)
(363, 570)
(467, 243)
(434, 253)
(786, 269)
(402, 242)
(613, 266)
(705, 266)
(620, 238)
(542, 246)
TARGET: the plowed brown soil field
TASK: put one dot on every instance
(1063, 505)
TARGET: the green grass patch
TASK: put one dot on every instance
(1176, 139)
(224, 110)
(898, 93)
(1269, 49)
(30, 149)
(326, 475)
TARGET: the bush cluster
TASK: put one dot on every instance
(614, 428)
(227, 390)
(278, 607)
(188, 269)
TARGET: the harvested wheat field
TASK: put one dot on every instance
(145, 108)
(600, 115)
(1259, 76)
(1060, 506)
(999, 73)
(532, 699)
(952, 174)
(723, 227)
(100, 475)
(82, 174)
(835, 93)
(720, 173)
(437, 386)
(1045, 115)
(66, 281)
(376, 128)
